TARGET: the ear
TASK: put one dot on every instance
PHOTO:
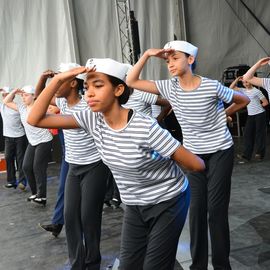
(191, 59)
(73, 83)
(119, 89)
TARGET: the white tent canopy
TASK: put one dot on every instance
(40, 34)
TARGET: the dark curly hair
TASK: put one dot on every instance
(125, 95)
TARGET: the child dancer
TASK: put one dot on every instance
(15, 143)
(38, 151)
(142, 157)
(86, 180)
(255, 128)
(198, 106)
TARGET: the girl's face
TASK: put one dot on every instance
(178, 63)
(28, 99)
(100, 94)
(246, 84)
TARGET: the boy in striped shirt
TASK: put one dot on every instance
(198, 106)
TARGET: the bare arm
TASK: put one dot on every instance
(234, 83)
(264, 102)
(8, 100)
(133, 75)
(239, 100)
(42, 84)
(38, 117)
(188, 160)
(249, 76)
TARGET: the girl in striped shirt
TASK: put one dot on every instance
(198, 106)
(142, 157)
(255, 128)
(85, 184)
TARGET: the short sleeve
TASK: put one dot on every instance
(224, 93)
(164, 88)
(162, 141)
(148, 98)
(266, 84)
(259, 94)
(86, 120)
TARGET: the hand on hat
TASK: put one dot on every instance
(17, 91)
(71, 74)
(48, 74)
(161, 53)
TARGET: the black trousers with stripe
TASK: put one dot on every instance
(150, 234)
(210, 197)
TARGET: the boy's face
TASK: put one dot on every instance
(178, 63)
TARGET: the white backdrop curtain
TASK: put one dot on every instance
(40, 34)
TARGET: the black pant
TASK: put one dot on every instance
(35, 164)
(84, 195)
(112, 189)
(210, 196)
(14, 151)
(150, 234)
(255, 134)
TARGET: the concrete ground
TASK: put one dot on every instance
(23, 245)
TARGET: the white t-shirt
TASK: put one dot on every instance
(255, 96)
(138, 155)
(34, 135)
(12, 125)
(266, 85)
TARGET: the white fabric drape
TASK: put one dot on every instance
(40, 34)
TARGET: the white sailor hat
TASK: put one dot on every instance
(110, 67)
(63, 67)
(182, 46)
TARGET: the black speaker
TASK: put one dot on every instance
(231, 73)
(135, 36)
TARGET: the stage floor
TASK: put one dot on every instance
(23, 245)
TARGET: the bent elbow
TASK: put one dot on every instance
(31, 121)
(198, 166)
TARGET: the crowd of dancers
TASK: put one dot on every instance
(110, 138)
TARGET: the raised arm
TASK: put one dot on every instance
(239, 100)
(42, 83)
(249, 76)
(133, 75)
(8, 100)
(188, 160)
(233, 85)
(38, 117)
